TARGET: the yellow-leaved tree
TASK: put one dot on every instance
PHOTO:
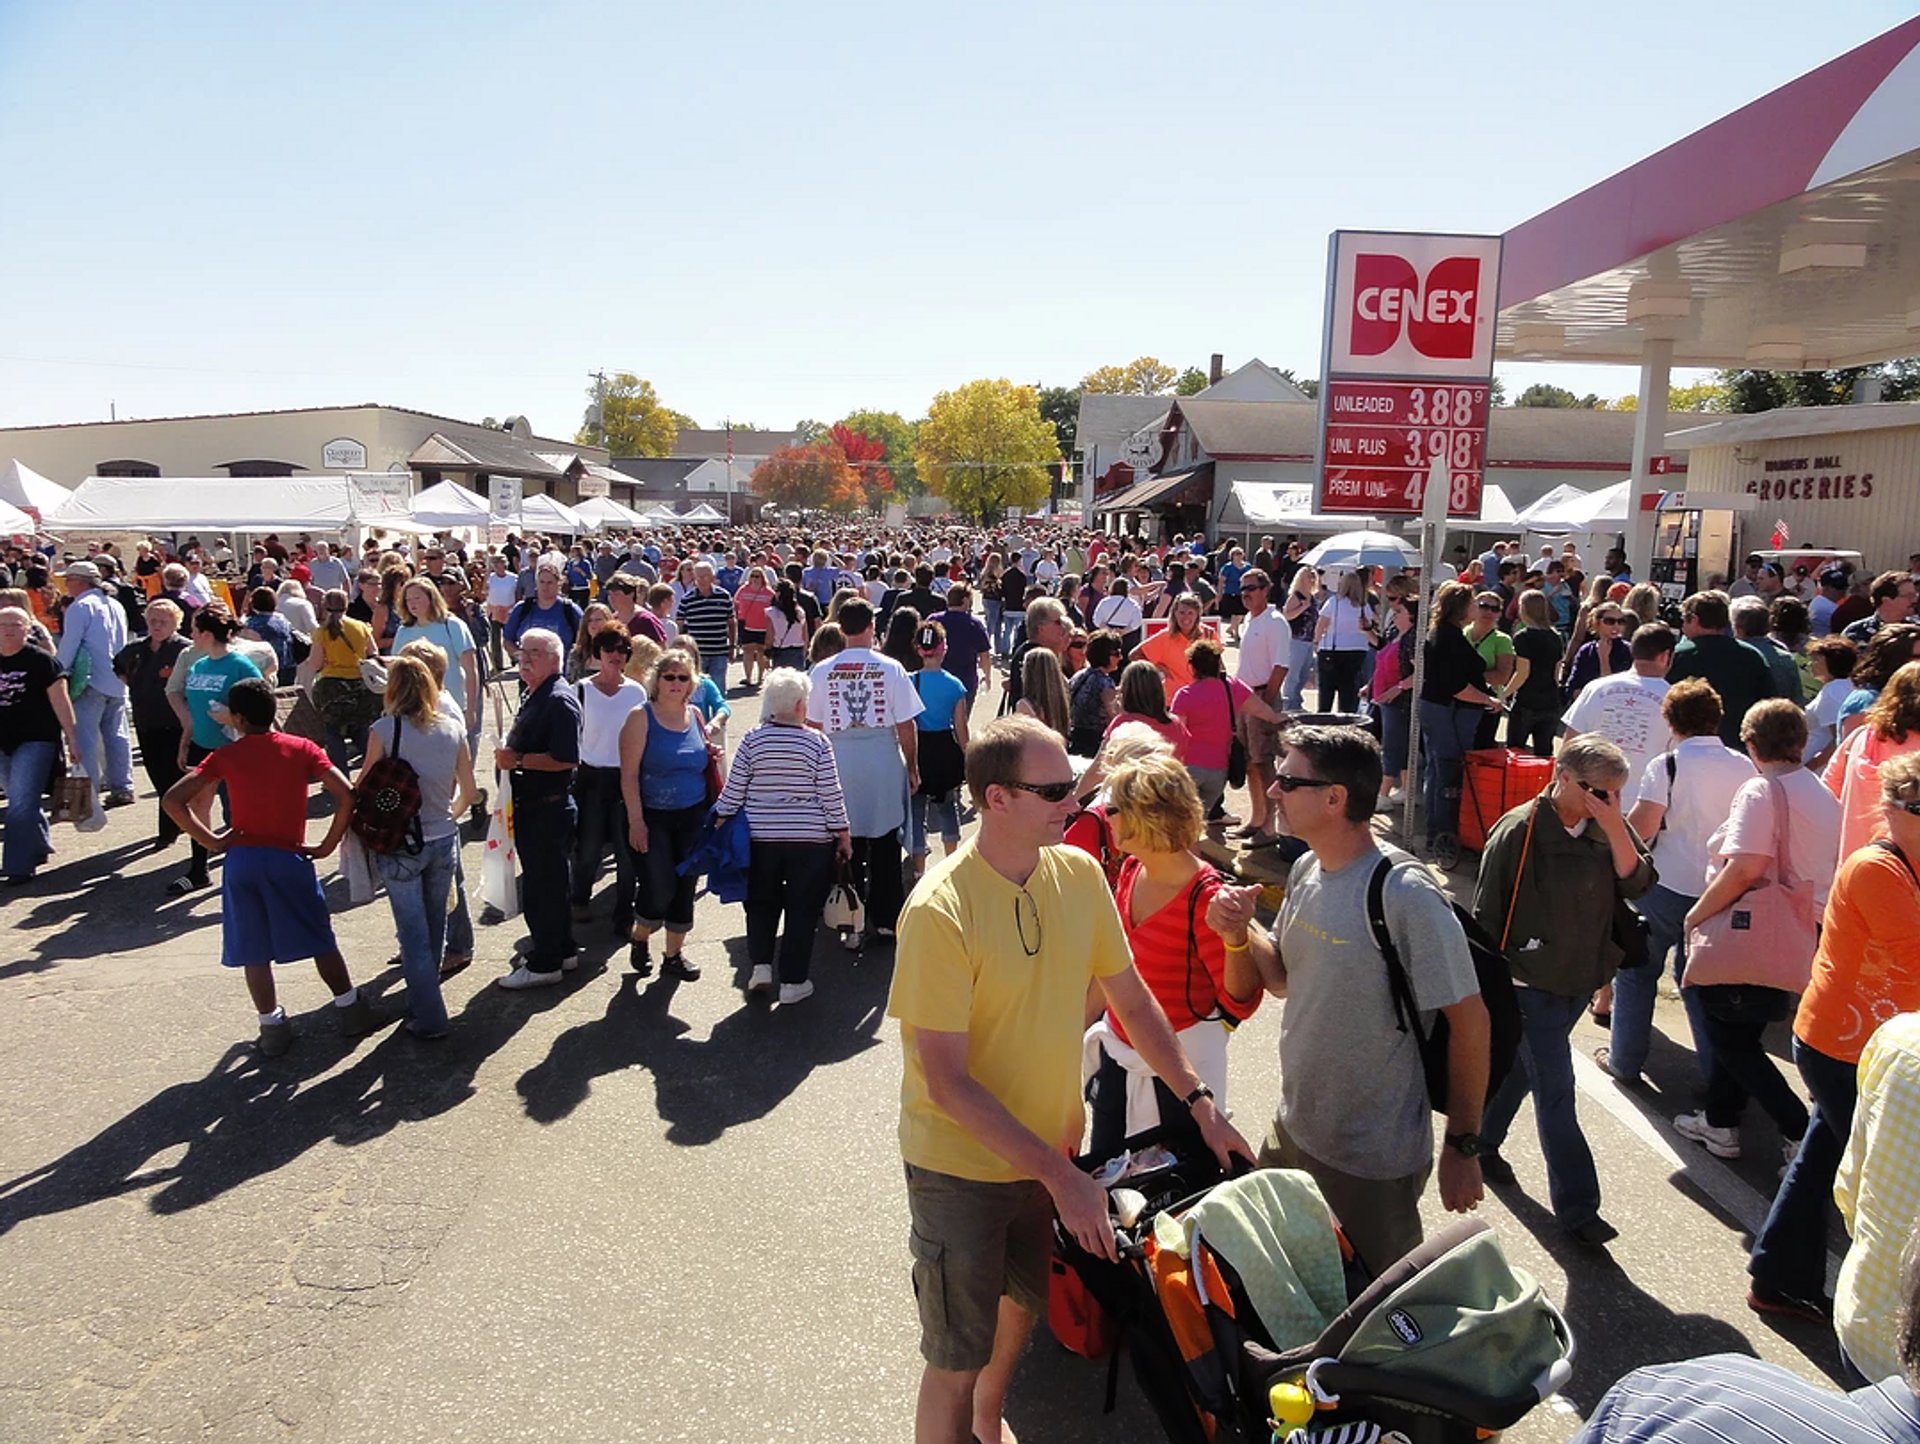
(1142, 376)
(627, 418)
(985, 447)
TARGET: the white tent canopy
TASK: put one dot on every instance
(604, 511)
(704, 515)
(540, 512)
(449, 504)
(23, 487)
(1569, 509)
(225, 504)
(1287, 504)
(15, 522)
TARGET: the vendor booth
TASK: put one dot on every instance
(321, 506)
(447, 505)
(27, 490)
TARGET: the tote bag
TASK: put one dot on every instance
(1767, 937)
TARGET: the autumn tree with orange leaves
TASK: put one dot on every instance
(867, 455)
(809, 478)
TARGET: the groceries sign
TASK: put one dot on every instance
(1407, 370)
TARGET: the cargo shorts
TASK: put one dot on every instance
(971, 1243)
(1262, 739)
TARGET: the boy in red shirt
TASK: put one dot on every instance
(271, 907)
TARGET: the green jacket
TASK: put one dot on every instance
(1562, 939)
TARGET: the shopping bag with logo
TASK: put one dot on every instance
(846, 910)
(498, 886)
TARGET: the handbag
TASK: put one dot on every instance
(845, 910)
(70, 794)
(1768, 935)
(1236, 749)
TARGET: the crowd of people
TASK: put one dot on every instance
(1735, 793)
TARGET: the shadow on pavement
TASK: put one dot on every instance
(138, 910)
(754, 1058)
(251, 1115)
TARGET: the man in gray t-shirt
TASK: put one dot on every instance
(1353, 1108)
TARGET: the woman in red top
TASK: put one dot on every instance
(750, 604)
(1204, 989)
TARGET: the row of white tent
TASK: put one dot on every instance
(295, 504)
(1564, 511)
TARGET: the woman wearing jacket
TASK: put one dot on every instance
(1551, 878)
(1737, 1007)
(146, 665)
(1865, 971)
(419, 884)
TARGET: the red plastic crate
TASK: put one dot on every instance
(1495, 782)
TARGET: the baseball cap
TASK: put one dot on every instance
(85, 571)
(1833, 577)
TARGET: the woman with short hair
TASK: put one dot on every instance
(664, 755)
(785, 777)
(145, 664)
(419, 883)
(204, 703)
(750, 604)
(264, 624)
(1205, 989)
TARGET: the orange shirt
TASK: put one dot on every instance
(1167, 650)
(1867, 968)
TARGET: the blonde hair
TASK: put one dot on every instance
(646, 654)
(426, 653)
(673, 655)
(436, 604)
(1043, 686)
(1154, 804)
(413, 693)
(1131, 741)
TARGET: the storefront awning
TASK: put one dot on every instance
(1143, 493)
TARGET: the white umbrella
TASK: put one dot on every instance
(1350, 549)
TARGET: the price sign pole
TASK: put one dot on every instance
(1433, 537)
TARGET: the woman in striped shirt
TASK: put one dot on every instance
(785, 777)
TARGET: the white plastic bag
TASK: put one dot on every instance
(356, 866)
(96, 820)
(498, 886)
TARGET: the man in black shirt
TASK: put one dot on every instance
(541, 751)
(1737, 671)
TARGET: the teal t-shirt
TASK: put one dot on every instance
(939, 691)
(450, 636)
(208, 681)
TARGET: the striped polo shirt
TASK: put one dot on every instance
(1734, 1399)
(789, 783)
(708, 620)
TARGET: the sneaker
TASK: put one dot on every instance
(1763, 1300)
(357, 1017)
(762, 979)
(570, 963)
(853, 942)
(117, 799)
(640, 960)
(1496, 1170)
(1596, 1232)
(1720, 1142)
(275, 1038)
(795, 992)
(525, 977)
(1383, 803)
(491, 916)
(673, 965)
(1396, 795)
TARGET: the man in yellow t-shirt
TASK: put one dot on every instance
(997, 946)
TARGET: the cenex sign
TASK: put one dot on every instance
(1406, 370)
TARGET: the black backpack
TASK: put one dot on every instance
(386, 804)
(1496, 991)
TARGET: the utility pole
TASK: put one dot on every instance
(600, 404)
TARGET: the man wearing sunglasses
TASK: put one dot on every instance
(998, 946)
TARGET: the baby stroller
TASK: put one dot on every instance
(1248, 1316)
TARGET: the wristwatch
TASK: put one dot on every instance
(1194, 1097)
(1467, 1145)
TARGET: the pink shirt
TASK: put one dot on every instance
(1174, 731)
(1202, 705)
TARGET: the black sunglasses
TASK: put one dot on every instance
(1912, 809)
(1600, 792)
(1045, 791)
(1294, 784)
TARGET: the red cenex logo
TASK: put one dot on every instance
(1437, 316)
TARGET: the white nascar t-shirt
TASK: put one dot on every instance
(861, 688)
(1625, 709)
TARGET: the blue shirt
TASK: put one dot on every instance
(729, 578)
(966, 640)
(208, 681)
(97, 625)
(1230, 575)
(939, 693)
(562, 618)
(673, 770)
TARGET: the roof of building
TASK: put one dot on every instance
(698, 442)
(279, 411)
(1686, 432)
(1107, 416)
(1253, 381)
(489, 451)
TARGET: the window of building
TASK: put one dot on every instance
(126, 468)
(258, 468)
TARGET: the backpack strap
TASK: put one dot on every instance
(1526, 846)
(1893, 847)
(1399, 985)
(1673, 771)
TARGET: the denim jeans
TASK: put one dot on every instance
(1544, 1067)
(1790, 1255)
(665, 897)
(460, 916)
(994, 618)
(1737, 1015)
(100, 722)
(1446, 732)
(1396, 723)
(790, 879)
(715, 666)
(603, 825)
(24, 772)
(1534, 728)
(543, 836)
(1211, 784)
(1634, 989)
(417, 890)
(941, 812)
(1299, 667)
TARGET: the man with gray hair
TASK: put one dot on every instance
(541, 751)
(326, 571)
(92, 632)
(706, 615)
(1752, 618)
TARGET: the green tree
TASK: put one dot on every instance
(1309, 386)
(896, 433)
(809, 431)
(682, 421)
(1695, 396)
(1061, 406)
(628, 418)
(1192, 381)
(1750, 390)
(1142, 376)
(985, 447)
(1542, 394)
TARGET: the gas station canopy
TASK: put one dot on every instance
(1781, 236)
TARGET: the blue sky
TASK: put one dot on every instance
(777, 211)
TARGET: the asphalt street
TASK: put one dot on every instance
(618, 1209)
